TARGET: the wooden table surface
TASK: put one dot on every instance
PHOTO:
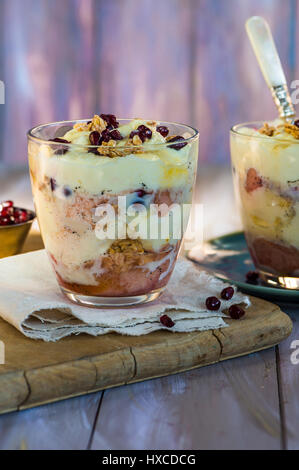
(245, 403)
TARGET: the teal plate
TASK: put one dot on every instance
(228, 259)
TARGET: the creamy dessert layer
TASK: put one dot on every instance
(93, 164)
(266, 171)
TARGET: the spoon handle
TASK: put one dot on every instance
(266, 53)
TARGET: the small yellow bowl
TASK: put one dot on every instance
(12, 237)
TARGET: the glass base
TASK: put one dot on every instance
(112, 302)
(285, 282)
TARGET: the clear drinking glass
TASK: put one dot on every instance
(73, 186)
(266, 178)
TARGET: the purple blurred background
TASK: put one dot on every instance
(183, 60)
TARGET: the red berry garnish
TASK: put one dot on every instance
(163, 130)
(94, 138)
(252, 277)
(4, 221)
(236, 312)
(144, 132)
(167, 321)
(212, 303)
(297, 123)
(110, 119)
(7, 204)
(227, 293)
(178, 146)
(115, 135)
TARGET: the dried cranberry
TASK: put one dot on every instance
(177, 146)
(236, 312)
(212, 303)
(163, 130)
(167, 321)
(297, 123)
(227, 293)
(115, 135)
(94, 138)
(133, 133)
(52, 184)
(144, 132)
(105, 136)
(110, 119)
(67, 191)
(252, 277)
(140, 193)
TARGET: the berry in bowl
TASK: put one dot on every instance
(15, 223)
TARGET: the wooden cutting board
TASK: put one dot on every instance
(36, 372)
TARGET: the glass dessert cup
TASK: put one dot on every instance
(265, 162)
(88, 198)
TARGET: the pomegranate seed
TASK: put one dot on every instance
(110, 119)
(53, 184)
(252, 277)
(297, 123)
(178, 146)
(4, 221)
(163, 130)
(212, 303)
(94, 138)
(7, 204)
(227, 293)
(6, 211)
(236, 312)
(167, 321)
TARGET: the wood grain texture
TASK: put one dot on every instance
(233, 405)
(187, 61)
(66, 425)
(36, 372)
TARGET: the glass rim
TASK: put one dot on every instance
(235, 130)
(31, 136)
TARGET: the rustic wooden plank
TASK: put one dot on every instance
(233, 405)
(82, 364)
(288, 364)
(144, 58)
(64, 425)
(229, 87)
(48, 66)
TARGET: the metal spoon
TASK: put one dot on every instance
(261, 39)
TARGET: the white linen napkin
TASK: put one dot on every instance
(32, 301)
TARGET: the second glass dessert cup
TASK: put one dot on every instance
(99, 188)
(265, 160)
